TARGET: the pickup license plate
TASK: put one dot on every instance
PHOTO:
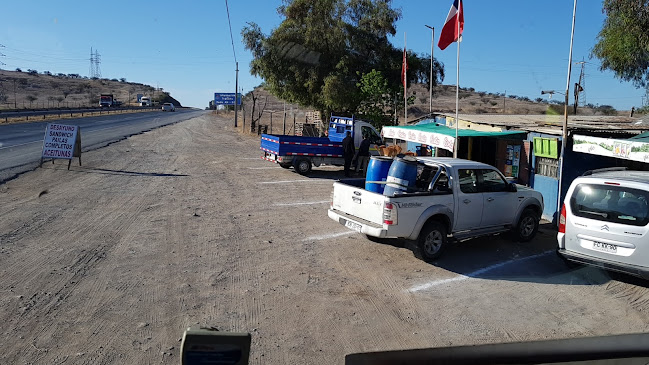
(353, 225)
(604, 247)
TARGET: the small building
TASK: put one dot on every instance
(526, 148)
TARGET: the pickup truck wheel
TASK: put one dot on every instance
(302, 166)
(527, 226)
(432, 240)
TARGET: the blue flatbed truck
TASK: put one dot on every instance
(302, 153)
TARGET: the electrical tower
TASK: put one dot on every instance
(95, 60)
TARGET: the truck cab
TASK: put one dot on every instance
(338, 127)
(145, 101)
(106, 100)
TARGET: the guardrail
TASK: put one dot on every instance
(70, 111)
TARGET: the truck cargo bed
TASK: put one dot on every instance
(282, 145)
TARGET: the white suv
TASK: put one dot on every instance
(168, 107)
(604, 219)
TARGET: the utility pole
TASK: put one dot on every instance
(579, 86)
(505, 102)
(15, 103)
(432, 49)
(236, 94)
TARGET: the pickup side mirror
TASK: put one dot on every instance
(512, 187)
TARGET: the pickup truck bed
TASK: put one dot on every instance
(300, 146)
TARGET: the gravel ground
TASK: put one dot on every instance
(110, 262)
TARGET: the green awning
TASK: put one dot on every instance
(642, 137)
(441, 136)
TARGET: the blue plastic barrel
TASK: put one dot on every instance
(377, 170)
(402, 176)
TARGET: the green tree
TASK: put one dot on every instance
(317, 54)
(623, 43)
(378, 98)
(31, 99)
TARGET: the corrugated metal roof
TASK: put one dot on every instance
(552, 124)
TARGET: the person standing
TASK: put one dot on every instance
(363, 154)
(348, 152)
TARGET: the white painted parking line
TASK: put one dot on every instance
(474, 274)
(301, 203)
(263, 168)
(251, 158)
(293, 181)
(327, 236)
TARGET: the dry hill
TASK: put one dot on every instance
(20, 90)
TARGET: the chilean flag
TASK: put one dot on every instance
(450, 31)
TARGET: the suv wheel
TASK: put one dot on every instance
(527, 226)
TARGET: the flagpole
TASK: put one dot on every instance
(457, 86)
(405, 82)
(564, 134)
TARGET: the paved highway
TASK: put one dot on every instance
(21, 144)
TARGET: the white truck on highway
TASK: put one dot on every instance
(145, 101)
(452, 198)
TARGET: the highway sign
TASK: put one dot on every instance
(226, 99)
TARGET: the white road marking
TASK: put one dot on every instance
(20, 144)
(301, 203)
(474, 274)
(292, 181)
(250, 158)
(327, 236)
(263, 168)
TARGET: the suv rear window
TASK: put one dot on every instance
(608, 203)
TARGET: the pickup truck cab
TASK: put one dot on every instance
(453, 198)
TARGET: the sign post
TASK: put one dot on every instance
(61, 141)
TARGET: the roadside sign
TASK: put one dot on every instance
(226, 99)
(61, 141)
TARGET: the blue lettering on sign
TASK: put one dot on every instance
(226, 99)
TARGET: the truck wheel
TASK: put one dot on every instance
(432, 240)
(302, 166)
(527, 226)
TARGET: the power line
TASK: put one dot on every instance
(230, 25)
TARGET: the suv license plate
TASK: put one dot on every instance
(604, 247)
(352, 225)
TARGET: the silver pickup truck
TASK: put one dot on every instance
(454, 198)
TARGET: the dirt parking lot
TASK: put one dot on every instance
(110, 262)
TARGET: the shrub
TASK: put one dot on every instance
(607, 110)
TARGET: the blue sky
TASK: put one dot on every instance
(520, 47)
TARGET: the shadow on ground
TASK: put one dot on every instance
(95, 170)
(500, 258)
